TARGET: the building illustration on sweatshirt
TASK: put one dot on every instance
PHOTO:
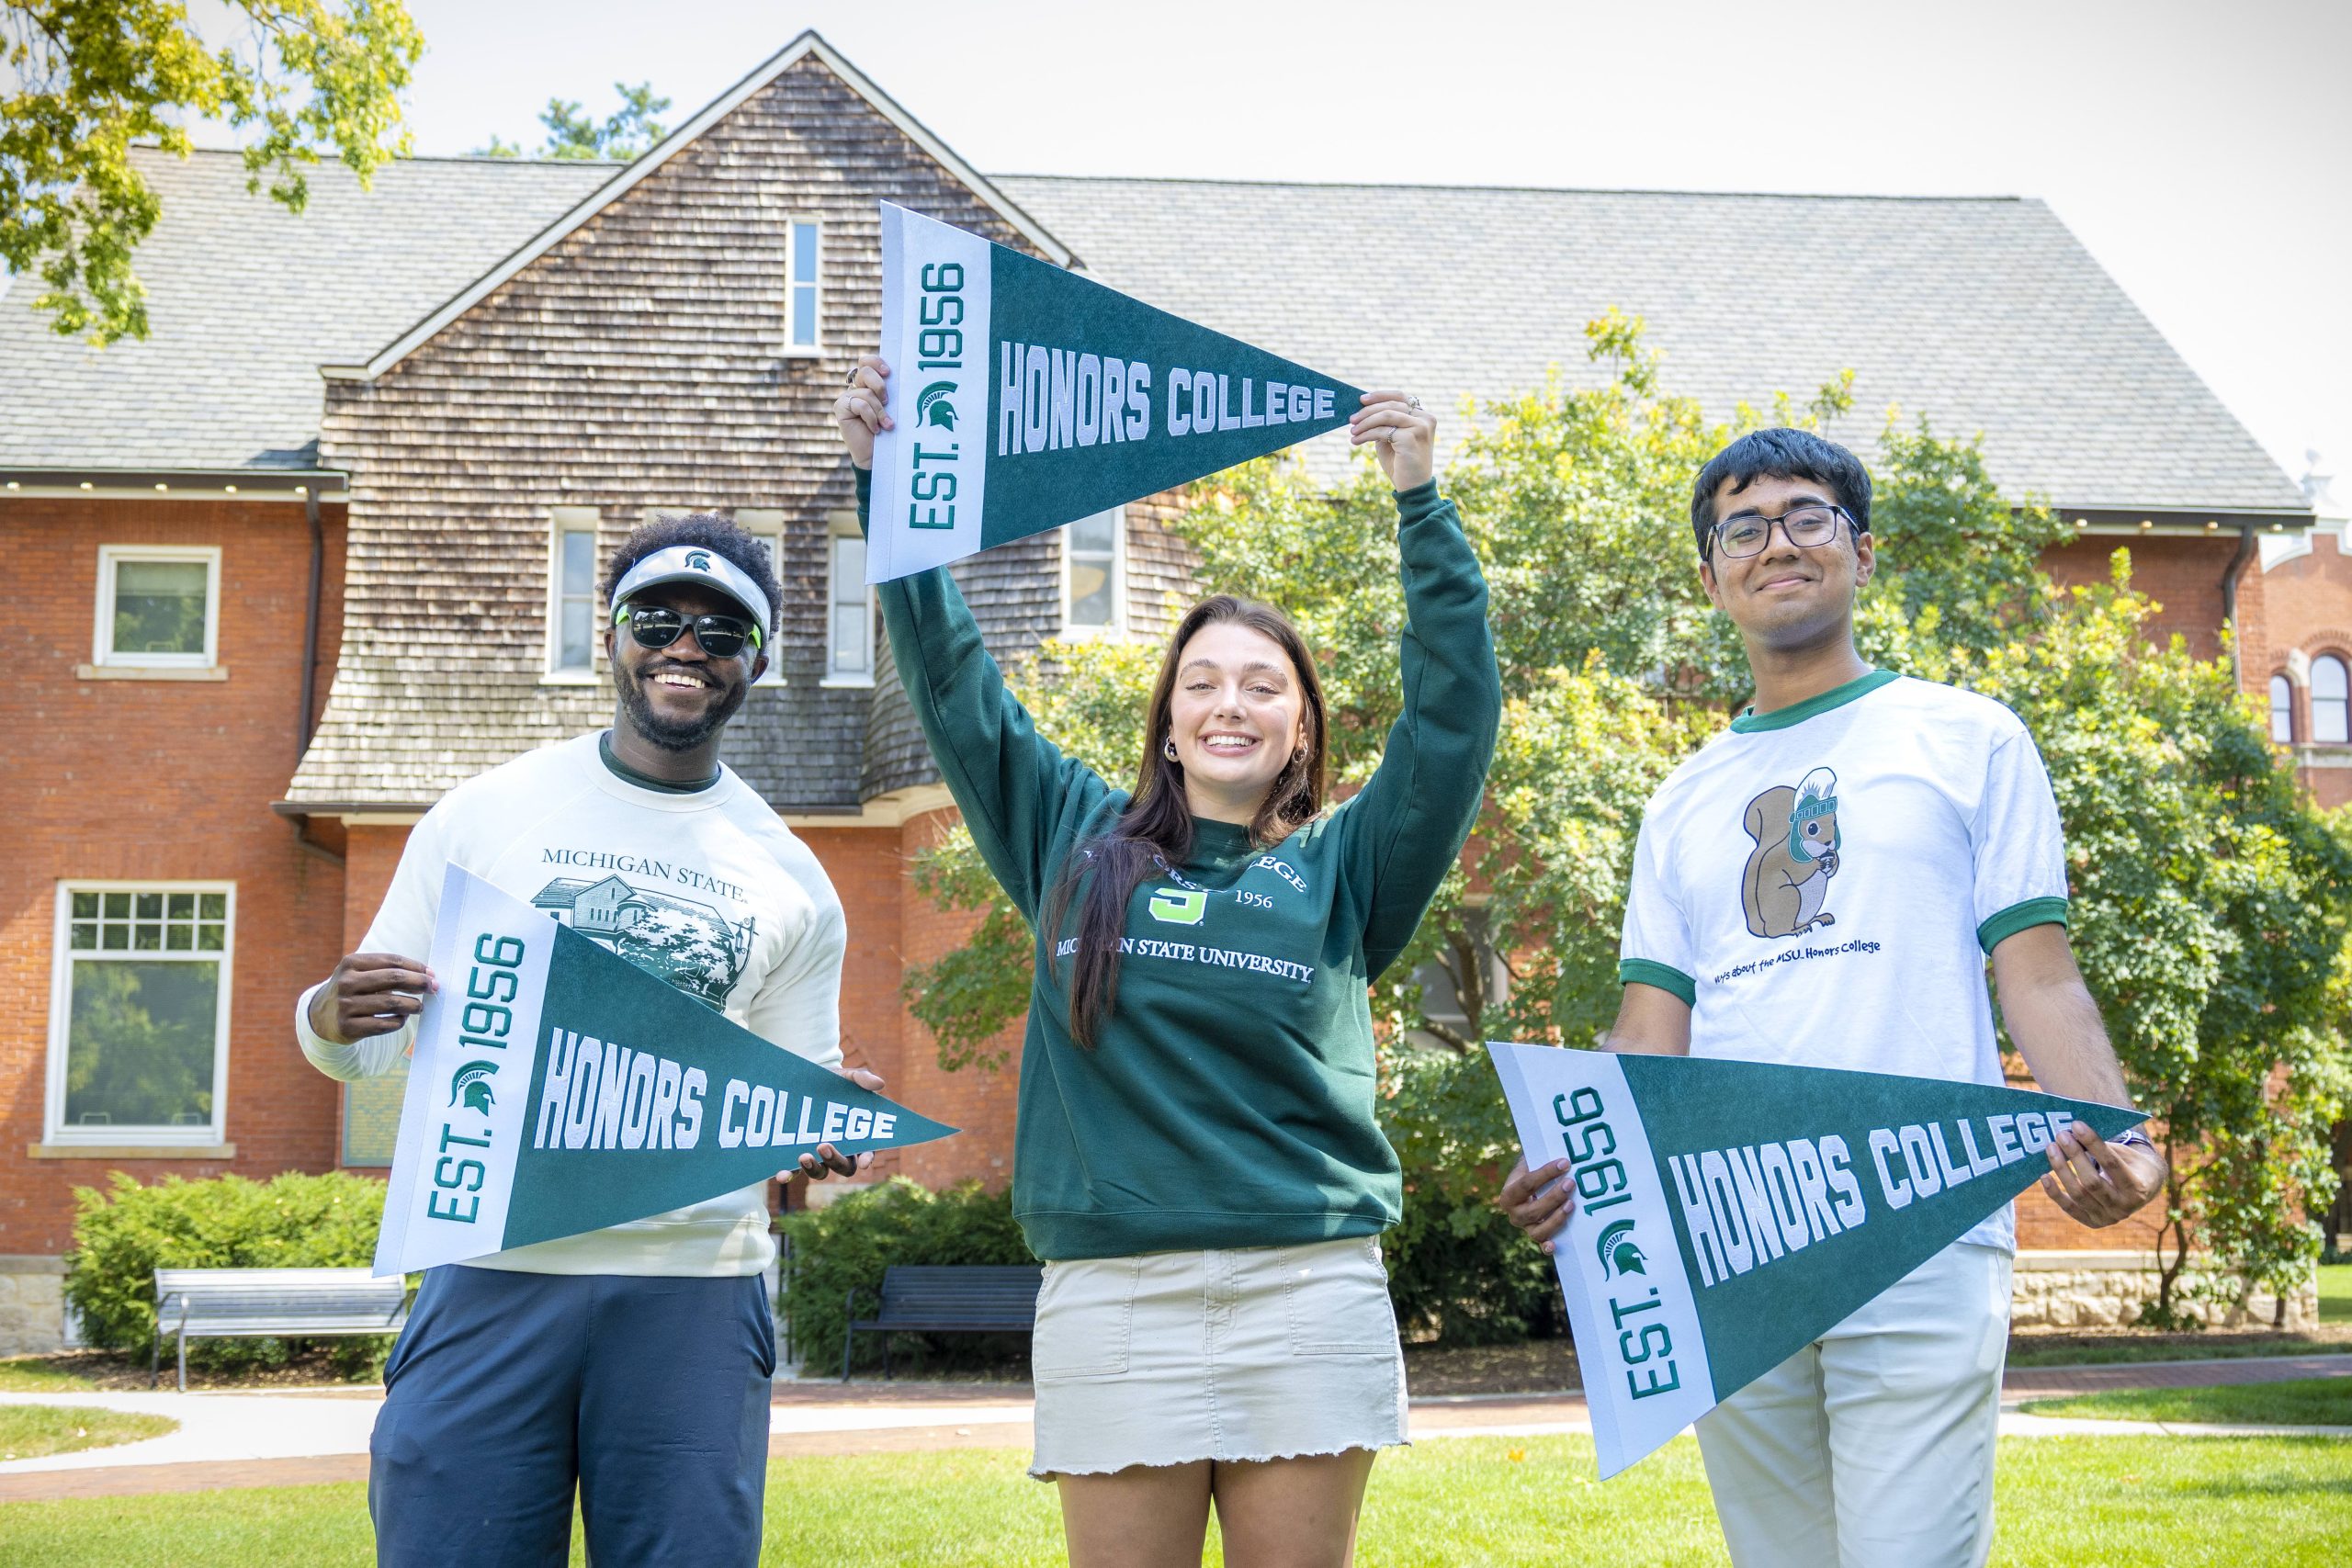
(688, 944)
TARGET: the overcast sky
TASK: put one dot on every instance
(2203, 151)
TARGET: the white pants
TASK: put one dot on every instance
(1874, 1444)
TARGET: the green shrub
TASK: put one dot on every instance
(847, 1244)
(1458, 1270)
(291, 1222)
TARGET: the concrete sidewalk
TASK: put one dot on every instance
(228, 1440)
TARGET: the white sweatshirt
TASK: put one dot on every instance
(709, 890)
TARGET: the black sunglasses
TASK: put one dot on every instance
(654, 625)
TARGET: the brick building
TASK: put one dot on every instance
(332, 530)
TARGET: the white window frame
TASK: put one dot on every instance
(2276, 713)
(562, 520)
(2312, 699)
(793, 281)
(843, 525)
(765, 523)
(102, 649)
(61, 1021)
(1118, 625)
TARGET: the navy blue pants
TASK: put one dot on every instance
(506, 1388)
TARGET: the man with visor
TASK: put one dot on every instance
(1823, 886)
(634, 1362)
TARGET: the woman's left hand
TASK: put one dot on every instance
(1405, 433)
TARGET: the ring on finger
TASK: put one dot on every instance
(1412, 403)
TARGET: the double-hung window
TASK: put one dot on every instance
(571, 594)
(139, 1012)
(2282, 710)
(159, 606)
(1095, 560)
(804, 250)
(2331, 702)
(849, 606)
(765, 523)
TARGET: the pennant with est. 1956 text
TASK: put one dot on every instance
(559, 1089)
(1025, 397)
(1728, 1212)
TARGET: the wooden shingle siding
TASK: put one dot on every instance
(637, 367)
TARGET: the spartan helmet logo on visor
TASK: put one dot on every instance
(705, 569)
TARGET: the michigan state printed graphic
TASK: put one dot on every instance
(1729, 1212)
(558, 1087)
(1025, 397)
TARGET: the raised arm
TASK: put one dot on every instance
(1014, 786)
(1408, 824)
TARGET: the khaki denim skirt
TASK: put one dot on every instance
(1251, 1353)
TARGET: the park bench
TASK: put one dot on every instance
(245, 1303)
(967, 1298)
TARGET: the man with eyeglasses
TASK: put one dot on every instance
(633, 1362)
(1823, 887)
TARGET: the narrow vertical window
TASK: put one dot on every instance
(140, 1013)
(571, 592)
(800, 286)
(159, 606)
(765, 523)
(2282, 710)
(2329, 693)
(1094, 601)
(849, 611)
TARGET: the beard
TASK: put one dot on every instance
(670, 735)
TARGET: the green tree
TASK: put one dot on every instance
(87, 79)
(628, 133)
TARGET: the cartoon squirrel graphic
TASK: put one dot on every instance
(1796, 855)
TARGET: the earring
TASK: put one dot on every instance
(1168, 748)
(1299, 756)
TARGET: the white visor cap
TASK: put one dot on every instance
(703, 568)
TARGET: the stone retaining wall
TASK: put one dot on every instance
(32, 1305)
(2102, 1289)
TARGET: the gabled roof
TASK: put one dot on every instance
(1983, 314)
(244, 299)
(807, 43)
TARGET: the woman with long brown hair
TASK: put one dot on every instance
(1198, 1157)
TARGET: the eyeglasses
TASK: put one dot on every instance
(654, 625)
(1806, 526)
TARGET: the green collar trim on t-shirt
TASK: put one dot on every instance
(1750, 721)
(627, 774)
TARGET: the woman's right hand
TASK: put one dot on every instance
(863, 411)
(1539, 1201)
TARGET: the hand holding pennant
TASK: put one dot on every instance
(557, 1089)
(1728, 1212)
(1027, 397)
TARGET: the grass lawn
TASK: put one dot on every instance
(2336, 1292)
(1465, 1503)
(31, 1431)
(2304, 1401)
(33, 1374)
(2091, 1350)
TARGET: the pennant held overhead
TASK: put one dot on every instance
(1026, 397)
(1729, 1212)
(559, 1089)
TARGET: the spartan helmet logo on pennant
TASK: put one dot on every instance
(471, 1084)
(933, 407)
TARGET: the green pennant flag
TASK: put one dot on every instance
(557, 1089)
(1729, 1212)
(1026, 397)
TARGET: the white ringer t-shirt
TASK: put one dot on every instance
(1823, 884)
(708, 890)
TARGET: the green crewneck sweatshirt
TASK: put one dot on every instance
(1227, 1100)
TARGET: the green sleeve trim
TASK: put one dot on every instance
(1666, 978)
(865, 480)
(1417, 503)
(1999, 928)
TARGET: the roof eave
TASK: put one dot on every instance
(809, 42)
